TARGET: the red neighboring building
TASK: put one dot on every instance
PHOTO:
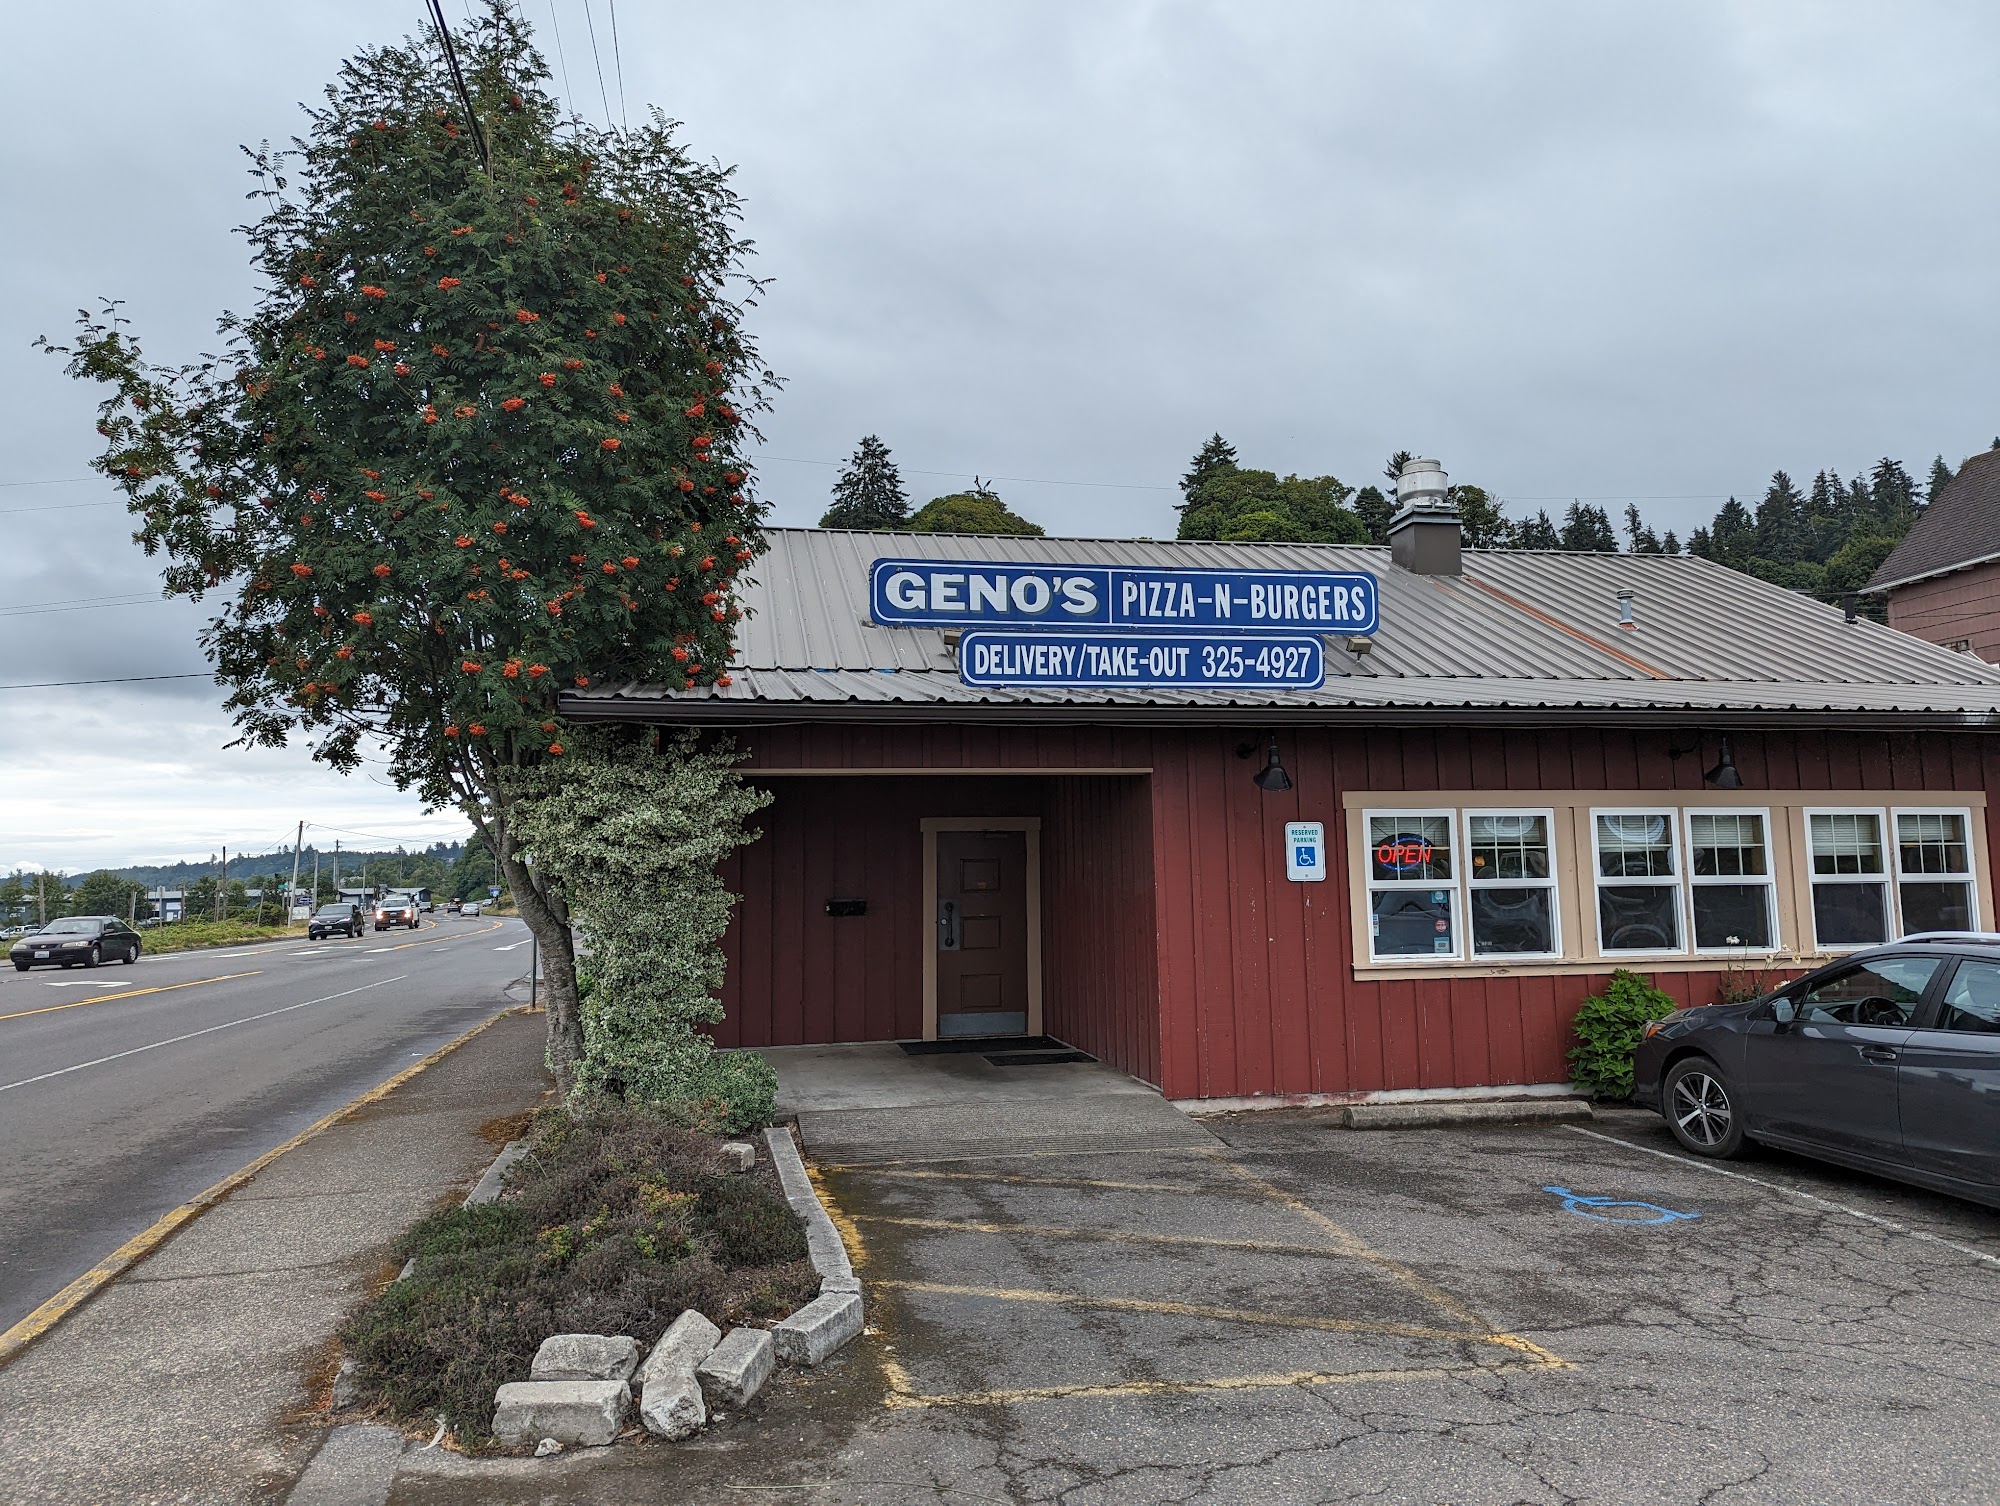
(1519, 791)
(1943, 579)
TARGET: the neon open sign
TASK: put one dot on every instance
(1402, 853)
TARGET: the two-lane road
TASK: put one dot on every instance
(126, 1090)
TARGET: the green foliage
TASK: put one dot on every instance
(104, 893)
(632, 833)
(1586, 529)
(482, 436)
(869, 493)
(1374, 509)
(1608, 1030)
(615, 1221)
(199, 933)
(1241, 505)
(976, 511)
(1216, 457)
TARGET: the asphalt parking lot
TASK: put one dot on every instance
(1297, 1313)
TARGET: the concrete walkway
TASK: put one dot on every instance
(877, 1102)
(187, 1380)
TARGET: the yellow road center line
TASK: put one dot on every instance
(1199, 1310)
(1122, 1236)
(903, 1399)
(130, 993)
(137, 1248)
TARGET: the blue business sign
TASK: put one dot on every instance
(968, 593)
(1067, 656)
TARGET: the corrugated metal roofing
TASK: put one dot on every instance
(1519, 629)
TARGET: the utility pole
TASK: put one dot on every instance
(315, 878)
(41, 902)
(291, 894)
(222, 885)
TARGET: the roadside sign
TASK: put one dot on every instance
(1057, 656)
(493, 891)
(971, 593)
(1305, 852)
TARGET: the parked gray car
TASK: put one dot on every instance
(1888, 1061)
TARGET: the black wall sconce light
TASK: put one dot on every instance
(1272, 777)
(1724, 775)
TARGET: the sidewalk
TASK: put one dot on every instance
(184, 1381)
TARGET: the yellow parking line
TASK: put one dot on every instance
(1084, 1183)
(130, 993)
(903, 1399)
(1199, 1310)
(1121, 1236)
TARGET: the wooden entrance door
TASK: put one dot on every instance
(982, 933)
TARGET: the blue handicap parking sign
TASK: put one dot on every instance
(1305, 857)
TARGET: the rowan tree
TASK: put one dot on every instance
(479, 440)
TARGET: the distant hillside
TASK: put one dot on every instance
(392, 860)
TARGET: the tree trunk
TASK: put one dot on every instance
(548, 918)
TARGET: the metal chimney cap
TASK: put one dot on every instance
(1421, 483)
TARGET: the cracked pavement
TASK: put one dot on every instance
(1297, 1313)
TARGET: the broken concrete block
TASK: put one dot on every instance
(738, 1368)
(818, 1329)
(740, 1155)
(671, 1407)
(575, 1411)
(688, 1341)
(585, 1356)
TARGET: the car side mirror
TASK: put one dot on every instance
(1784, 1010)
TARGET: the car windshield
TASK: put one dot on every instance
(335, 909)
(73, 927)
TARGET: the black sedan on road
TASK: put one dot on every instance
(85, 939)
(1887, 1061)
(344, 918)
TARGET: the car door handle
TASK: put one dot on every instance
(1883, 1054)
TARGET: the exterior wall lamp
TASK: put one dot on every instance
(1724, 775)
(1272, 777)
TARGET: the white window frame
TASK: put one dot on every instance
(1891, 908)
(1370, 885)
(1677, 883)
(1696, 881)
(1552, 884)
(1970, 877)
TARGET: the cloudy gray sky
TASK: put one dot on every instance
(1602, 250)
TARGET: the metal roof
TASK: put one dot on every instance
(1521, 631)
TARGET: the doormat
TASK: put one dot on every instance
(982, 1043)
(1038, 1058)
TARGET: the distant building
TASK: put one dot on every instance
(1943, 580)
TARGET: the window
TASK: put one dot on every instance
(1972, 1002)
(1884, 992)
(1510, 879)
(1934, 871)
(1850, 892)
(1412, 891)
(1638, 882)
(1729, 871)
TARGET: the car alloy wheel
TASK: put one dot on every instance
(96, 956)
(1700, 1110)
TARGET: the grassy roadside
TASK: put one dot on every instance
(195, 935)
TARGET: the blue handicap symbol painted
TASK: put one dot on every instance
(1600, 1208)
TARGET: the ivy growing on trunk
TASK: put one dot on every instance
(479, 440)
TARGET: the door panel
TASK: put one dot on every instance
(1828, 1072)
(982, 933)
(1950, 1080)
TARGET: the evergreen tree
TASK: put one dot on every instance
(869, 493)
(1587, 530)
(1895, 496)
(1670, 543)
(1642, 539)
(1482, 524)
(1733, 535)
(1781, 522)
(1701, 544)
(1374, 509)
(1538, 532)
(1216, 457)
(1940, 479)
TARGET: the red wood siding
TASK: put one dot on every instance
(1099, 988)
(798, 976)
(1962, 607)
(1251, 980)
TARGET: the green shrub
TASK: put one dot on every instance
(617, 1219)
(1608, 1030)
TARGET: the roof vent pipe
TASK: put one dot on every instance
(1625, 611)
(1425, 536)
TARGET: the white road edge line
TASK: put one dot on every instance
(1811, 1197)
(210, 1030)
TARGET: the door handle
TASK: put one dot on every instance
(947, 926)
(1883, 1054)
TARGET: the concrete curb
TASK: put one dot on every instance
(143, 1244)
(833, 1319)
(1393, 1116)
(823, 1241)
(488, 1188)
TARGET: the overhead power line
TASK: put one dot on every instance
(116, 680)
(590, 22)
(52, 481)
(458, 82)
(618, 60)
